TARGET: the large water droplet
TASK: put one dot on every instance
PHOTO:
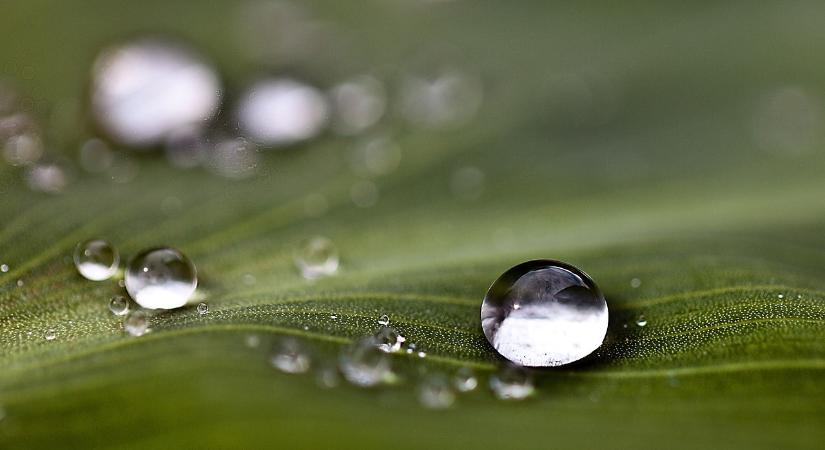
(146, 89)
(363, 364)
(290, 357)
(316, 257)
(161, 278)
(137, 323)
(119, 305)
(435, 392)
(465, 380)
(512, 383)
(544, 313)
(96, 259)
(388, 340)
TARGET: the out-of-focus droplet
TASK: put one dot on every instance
(434, 392)
(467, 183)
(316, 257)
(388, 340)
(512, 383)
(327, 377)
(186, 147)
(362, 364)
(119, 305)
(252, 340)
(233, 158)
(203, 308)
(465, 380)
(364, 194)
(448, 99)
(544, 313)
(137, 323)
(384, 320)
(51, 334)
(249, 279)
(641, 321)
(4, 268)
(144, 90)
(635, 283)
(96, 259)
(357, 104)
(96, 156)
(290, 357)
(50, 178)
(789, 121)
(161, 278)
(280, 112)
(23, 149)
(375, 156)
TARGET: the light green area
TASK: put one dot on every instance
(618, 139)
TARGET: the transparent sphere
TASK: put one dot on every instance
(316, 257)
(96, 259)
(137, 323)
(161, 278)
(364, 365)
(119, 305)
(544, 313)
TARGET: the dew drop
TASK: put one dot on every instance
(333, 317)
(388, 340)
(363, 364)
(161, 278)
(96, 259)
(635, 283)
(445, 99)
(22, 149)
(290, 357)
(316, 257)
(327, 377)
(4, 268)
(203, 308)
(435, 392)
(137, 323)
(50, 335)
(384, 320)
(562, 315)
(780, 296)
(641, 320)
(465, 380)
(357, 104)
(50, 178)
(512, 383)
(422, 354)
(119, 305)
(233, 158)
(19, 283)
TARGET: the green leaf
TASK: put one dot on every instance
(618, 140)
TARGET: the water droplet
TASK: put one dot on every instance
(249, 279)
(422, 354)
(435, 392)
(363, 364)
(450, 98)
(119, 305)
(316, 257)
(358, 104)
(146, 89)
(562, 316)
(780, 296)
(467, 183)
(280, 112)
(388, 340)
(375, 156)
(233, 158)
(161, 278)
(333, 317)
(19, 283)
(4, 268)
(96, 156)
(635, 282)
(203, 308)
(137, 323)
(512, 383)
(290, 357)
(465, 380)
(641, 320)
(364, 194)
(50, 178)
(23, 149)
(384, 320)
(51, 334)
(96, 259)
(252, 340)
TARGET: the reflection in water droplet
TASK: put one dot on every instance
(363, 364)
(358, 104)
(364, 194)
(450, 98)
(280, 112)
(290, 357)
(316, 257)
(512, 383)
(233, 158)
(465, 380)
(388, 340)
(96, 156)
(96, 259)
(119, 305)
(50, 178)
(203, 308)
(161, 278)
(375, 156)
(562, 315)
(51, 335)
(434, 392)
(641, 320)
(384, 320)
(146, 89)
(137, 323)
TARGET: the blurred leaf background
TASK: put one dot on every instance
(680, 145)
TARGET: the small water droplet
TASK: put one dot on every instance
(363, 364)
(19, 283)
(4, 268)
(388, 340)
(23, 147)
(512, 383)
(780, 296)
(161, 278)
(96, 259)
(290, 356)
(364, 194)
(316, 257)
(641, 320)
(445, 99)
(252, 340)
(137, 323)
(562, 316)
(233, 158)
(435, 392)
(635, 282)
(357, 104)
(119, 305)
(51, 334)
(333, 317)
(422, 354)
(203, 308)
(384, 320)
(465, 380)
(50, 178)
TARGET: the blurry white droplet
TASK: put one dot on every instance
(119, 305)
(290, 357)
(50, 178)
(4, 268)
(635, 283)
(364, 365)
(467, 183)
(234, 158)
(96, 156)
(449, 98)
(252, 340)
(146, 89)
(316, 257)
(465, 380)
(281, 111)
(357, 104)
(788, 121)
(375, 156)
(388, 340)
(435, 392)
(23, 149)
(96, 259)
(512, 383)
(364, 194)
(137, 323)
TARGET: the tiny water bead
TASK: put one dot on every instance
(512, 383)
(544, 313)
(384, 320)
(119, 305)
(4, 268)
(137, 323)
(203, 308)
(50, 335)
(388, 340)
(465, 380)
(316, 257)
(435, 392)
(290, 357)
(364, 365)
(641, 320)
(161, 278)
(96, 259)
